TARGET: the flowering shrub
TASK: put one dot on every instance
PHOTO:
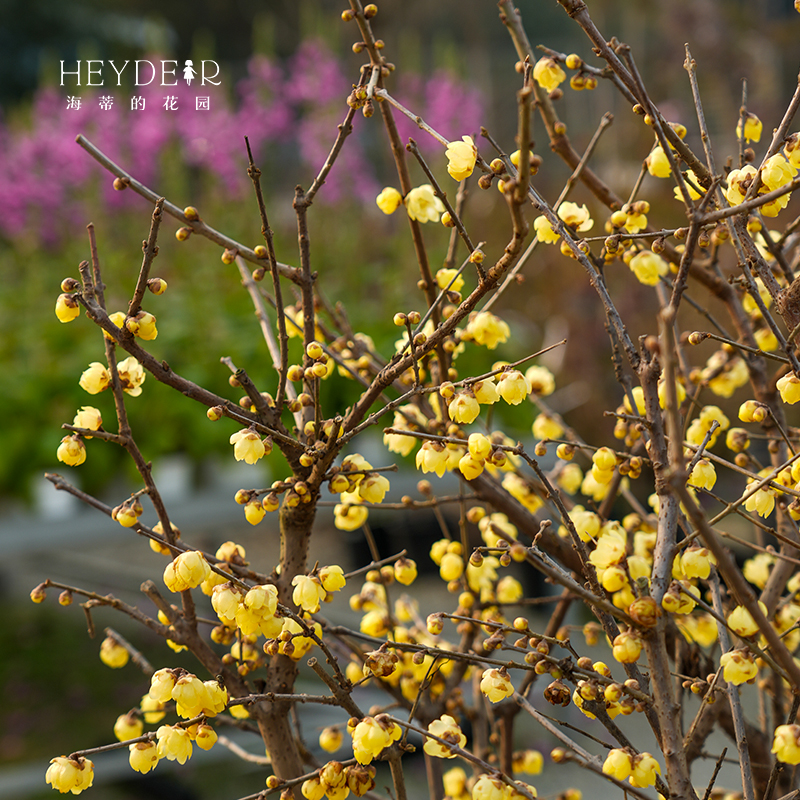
(630, 527)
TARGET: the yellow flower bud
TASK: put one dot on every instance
(143, 756)
(113, 654)
(389, 200)
(67, 308)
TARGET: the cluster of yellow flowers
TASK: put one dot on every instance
(97, 378)
(640, 769)
(371, 736)
(356, 483)
(336, 781)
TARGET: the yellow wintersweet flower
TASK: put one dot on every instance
(545, 427)
(308, 593)
(247, 446)
(544, 230)
(490, 788)
(186, 571)
(88, 417)
(587, 523)
(405, 571)
(128, 726)
(610, 549)
(70, 774)
(789, 388)
(786, 744)
(636, 220)
(541, 380)
(67, 308)
(118, 319)
(225, 601)
(644, 771)
(71, 451)
(575, 216)
(451, 567)
(113, 654)
(470, 467)
(763, 500)
(131, 376)
(703, 476)
(495, 684)
(191, 696)
(455, 782)
(349, 516)
(330, 739)
(432, 457)
(766, 340)
(174, 743)
(733, 376)
(658, 163)
(143, 756)
(95, 379)
(389, 200)
(618, 764)
(370, 737)
(373, 488)
(696, 562)
(445, 728)
(463, 407)
(509, 590)
(530, 761)
(332, 578)
(691, 183)
(143, 325)
(777, 172)
(627, 647)
(479, 446)
(756, 569)
(486, 392)
(548, 74)
(162, 682)
(741, 621)
(485, 328)
(205, 736)
(752, 128)
(513, 386)
(423, 205)
(648, 267)
(461, 158)
(152, 710)
(739, 181)
(254, 512)
(792, 149)
(738, 666)
(444, 278)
